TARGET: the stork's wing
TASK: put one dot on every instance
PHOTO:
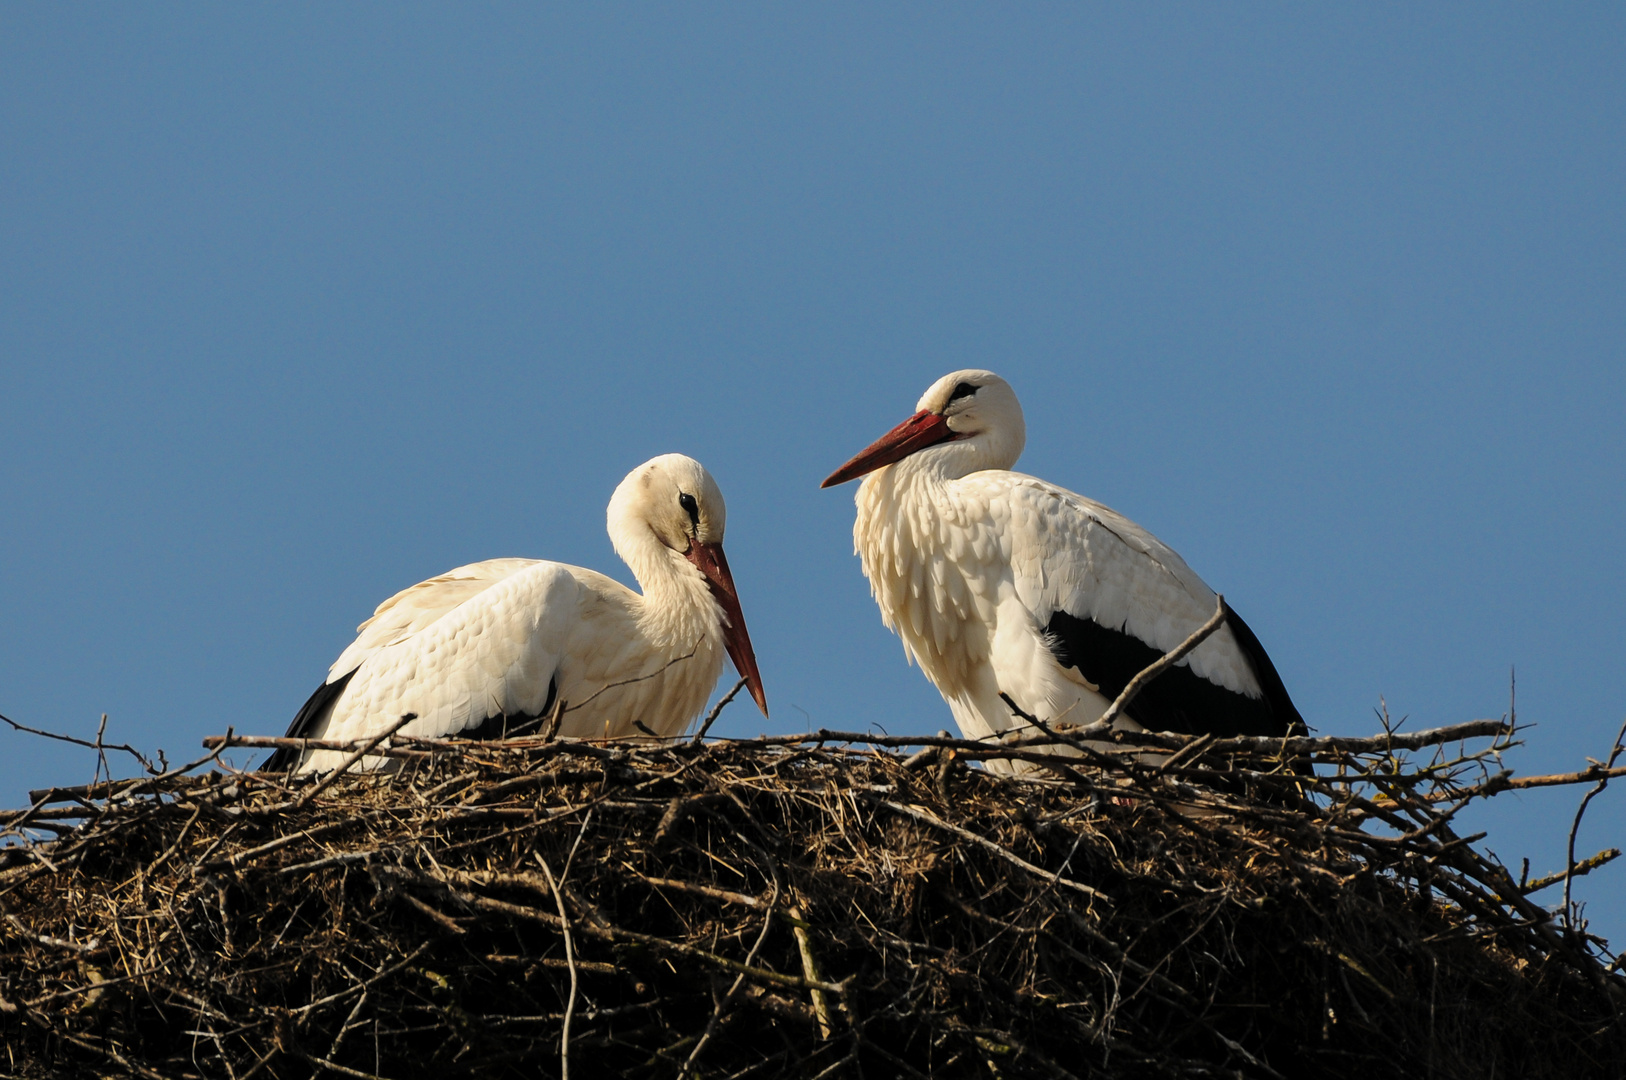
(477, 658)
(410, 610)
(493, 655)
(1113, 598)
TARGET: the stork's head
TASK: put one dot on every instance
(673, 497)
(673, 500)
(968, 420)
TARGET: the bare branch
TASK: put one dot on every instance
(1575, 827)
(716, 711)
(1156, 668)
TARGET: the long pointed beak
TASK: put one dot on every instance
(711, 561)
(916, 433)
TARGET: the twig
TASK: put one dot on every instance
(1093, 754)
(721, 1007)
(83, 793)
(97, 745)
(1156, 668)
(1137, 741)
(676, 948)
(342, 1070)
(282, 742)
(242, 858)
(1600, 773)
(1009, 856)
(551, 731)
(1186, 753)
(1575, 827)
(636, 679)
(82, 948)
(95, 986)
(101, 753)
(1580, 869)
(716, 711)
(810, 968)
(175, 846)
(363, 987)
(344, 766)
(698, 889)
(570, 947)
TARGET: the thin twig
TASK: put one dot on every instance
(551, 731)
(810, 968)
(96, 744)
(282, 742)
(1156, 668)
(570, 946)
(1575, 827)
(920, 814)
(1580, 869)
(1137, 741)
(344, 766)
(1186, 753)
(716, 711)
(721, 1006)
(636, 679)
(361, 988)
(101, 753)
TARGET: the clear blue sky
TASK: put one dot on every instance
(300, 304)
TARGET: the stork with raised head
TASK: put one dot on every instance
(487, 649)
(999, 582)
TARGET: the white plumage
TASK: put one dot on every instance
(999, 582)
(489, 647)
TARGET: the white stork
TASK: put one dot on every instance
(487, 649)
(998, 582)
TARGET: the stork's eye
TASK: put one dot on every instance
(965, 389)
(690, 507)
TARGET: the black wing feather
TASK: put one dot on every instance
(503, 726)
(1179, 699)
(1281, 703)
(315, 707)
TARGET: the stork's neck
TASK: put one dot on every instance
(926, 472)
(898, 509)
(679, 611)
(995, 446)
(915, 541)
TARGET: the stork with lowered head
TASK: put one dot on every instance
(487, 650)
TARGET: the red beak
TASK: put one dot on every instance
(711, 561)
(916, 433)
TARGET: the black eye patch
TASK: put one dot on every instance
(686, 501)
(965, 389)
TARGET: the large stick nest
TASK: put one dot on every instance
(797, 907)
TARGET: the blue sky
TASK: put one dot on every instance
(302, 304)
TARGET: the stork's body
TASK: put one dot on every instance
(999, 582)
(488, 649)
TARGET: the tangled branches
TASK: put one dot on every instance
(818, 905)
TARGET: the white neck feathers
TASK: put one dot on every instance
(678, 611)
(932, 562)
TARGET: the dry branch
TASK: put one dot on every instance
(1156, 668)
